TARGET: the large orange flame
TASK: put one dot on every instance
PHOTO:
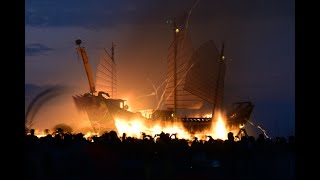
(135, 128)
(219, 129)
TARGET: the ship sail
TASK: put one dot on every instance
(206, 77)
(106, 74)
(180, 53)
(196, 76)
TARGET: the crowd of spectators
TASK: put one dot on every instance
(72, 156)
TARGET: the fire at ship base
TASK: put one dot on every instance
(216, 129)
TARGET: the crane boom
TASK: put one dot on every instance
(87, 66)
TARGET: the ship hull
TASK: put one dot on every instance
(103, 112)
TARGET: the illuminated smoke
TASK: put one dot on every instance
(155, 93)
(162, 95)
(187, 23)
(164, 82)
(259, 127)
(38, 101)
(175, 86)
(66, 128)
(152, 94)
(157, 89)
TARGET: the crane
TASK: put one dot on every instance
(87, 66)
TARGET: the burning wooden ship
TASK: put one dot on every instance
(195, 86)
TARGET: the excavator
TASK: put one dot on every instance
(101, 109)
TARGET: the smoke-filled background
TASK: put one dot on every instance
(259, 41)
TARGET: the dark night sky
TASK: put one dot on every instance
(259, 38)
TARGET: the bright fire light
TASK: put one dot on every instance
(220, 129)
(89, 134)
(135, 128)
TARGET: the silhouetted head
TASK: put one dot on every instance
(106, 136)
(32, 132)
(162, 135)
(244, 138)
(261, 138)
(251, 139)
(58, 137)
(210, 139)
(49, 136)
(59, 130)
(113, 135)
(124, 136)
(230, 136)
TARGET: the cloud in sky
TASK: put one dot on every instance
(36, 49)
(84, 13)
(80, 13)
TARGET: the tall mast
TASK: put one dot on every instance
(175, 32)
(221, 58)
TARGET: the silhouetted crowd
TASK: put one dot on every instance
(72, 156)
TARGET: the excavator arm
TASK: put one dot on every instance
(87, 66)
